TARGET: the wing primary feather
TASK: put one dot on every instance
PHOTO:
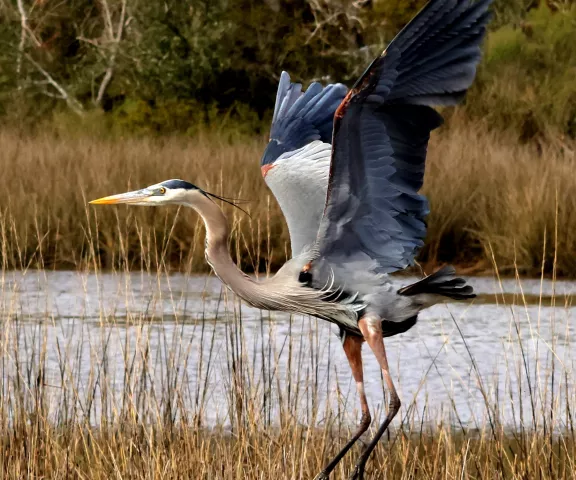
(374, 217)
(283, 86)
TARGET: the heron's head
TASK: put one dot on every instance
(170, 192)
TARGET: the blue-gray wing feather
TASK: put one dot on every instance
(374, 216)
(301, 118)
(297, 159)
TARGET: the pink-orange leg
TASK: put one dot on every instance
(371, 328)
(353, 350)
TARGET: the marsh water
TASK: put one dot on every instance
(508, 352)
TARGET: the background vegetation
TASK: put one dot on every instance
(97, 96)
(170, 66)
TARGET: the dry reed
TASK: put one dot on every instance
(485, 189)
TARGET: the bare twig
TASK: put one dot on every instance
(326, 14)
(74, 105)
(115, 40)
(22, 44)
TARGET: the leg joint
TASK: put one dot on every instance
(395, 402)
(365, 421)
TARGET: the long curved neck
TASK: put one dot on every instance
(282, 292)
(217, 253)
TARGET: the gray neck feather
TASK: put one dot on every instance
(217, 253)
(282, 292)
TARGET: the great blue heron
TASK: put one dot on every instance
(346, 167)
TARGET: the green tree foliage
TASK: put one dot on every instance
(169, 65)
(527, 80)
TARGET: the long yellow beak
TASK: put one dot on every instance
(137, 196)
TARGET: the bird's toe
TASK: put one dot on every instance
(358, 473)
(322, 476)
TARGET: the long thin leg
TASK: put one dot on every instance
(353, 350)
(371, 328)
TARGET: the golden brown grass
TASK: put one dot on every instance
(486, 190)
(71, 413)
(489, 193)
(290, 453)
(51, 179)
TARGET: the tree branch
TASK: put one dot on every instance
(21, 45)
(115, 39)
(74, 105)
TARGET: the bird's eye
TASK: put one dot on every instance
(162, 190)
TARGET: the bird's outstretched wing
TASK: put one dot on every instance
(296, 161)
(374, 218)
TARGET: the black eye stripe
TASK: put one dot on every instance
(174, 184)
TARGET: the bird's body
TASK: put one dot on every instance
(346, 166)
(285, 290)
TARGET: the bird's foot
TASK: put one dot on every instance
(322, 476)
(358, 473)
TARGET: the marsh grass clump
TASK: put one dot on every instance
(489, 195)
(45, 220)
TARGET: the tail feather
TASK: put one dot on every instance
(443, 282)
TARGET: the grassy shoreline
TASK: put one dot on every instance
(127, 397)
(492, 200)
(291, 453)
